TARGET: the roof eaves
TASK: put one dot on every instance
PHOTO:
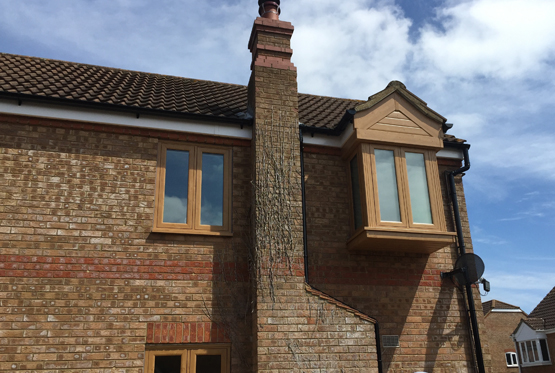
(336, 130)
(123, 108)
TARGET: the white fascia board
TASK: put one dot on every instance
(339, 141)
(100, 116)
(506, 310)
(450, 153)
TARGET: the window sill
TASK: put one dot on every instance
(536, 364)
(402, 240)
(191, 231)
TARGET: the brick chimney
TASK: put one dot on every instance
(277, 205)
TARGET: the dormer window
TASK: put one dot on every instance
(395, 185)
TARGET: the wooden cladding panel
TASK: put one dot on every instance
(397, 122)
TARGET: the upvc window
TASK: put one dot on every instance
(534, 352)
(511, 359)
(193, 191)
(396, 199)
(402, 187)
(188, 359)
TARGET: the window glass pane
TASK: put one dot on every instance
(523, 354)
(355, 185)
(167, 364)
(508, 358)
(545, 351)
(387, 185)
(530, 351)
(418, 188)
(212, 191)
(209, 364)
(515, 361)
(177, 186)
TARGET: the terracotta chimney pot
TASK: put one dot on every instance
(269, 9)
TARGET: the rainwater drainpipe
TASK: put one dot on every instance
(462, 250)
(305, 250)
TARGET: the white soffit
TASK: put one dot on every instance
(100, 116)
(506, 310)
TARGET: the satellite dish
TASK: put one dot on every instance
(469, 268)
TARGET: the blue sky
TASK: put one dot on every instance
(486, 65)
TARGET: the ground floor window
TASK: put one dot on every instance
(199, 358)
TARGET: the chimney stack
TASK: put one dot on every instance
(277, 202)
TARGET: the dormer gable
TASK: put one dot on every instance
(395, 116)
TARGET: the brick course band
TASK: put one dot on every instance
(188, 332)
(49, 267)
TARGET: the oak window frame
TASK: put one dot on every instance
(188, 355)
(194, 193)
(368, 184)
(404, 235)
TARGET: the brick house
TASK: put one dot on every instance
(152, 223)
(500, 320)
(534, 337)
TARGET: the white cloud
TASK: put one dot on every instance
(525, 289)
(503, 39)
(175, 209)
(348, 49)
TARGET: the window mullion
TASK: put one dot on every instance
(196, 179)
(403, 187)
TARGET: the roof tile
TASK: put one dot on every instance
(545, 310)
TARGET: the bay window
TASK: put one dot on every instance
(534, 352)
(396, 199)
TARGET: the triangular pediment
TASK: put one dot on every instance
(395, 120)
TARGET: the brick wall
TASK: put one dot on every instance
(402, 291)
(499, 326)
(84, 284)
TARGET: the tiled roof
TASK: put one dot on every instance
(497, 304)
(75, 83)
(323, 112)
(94, 84)
(89, 84)
(546, 310)
(535, 323)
